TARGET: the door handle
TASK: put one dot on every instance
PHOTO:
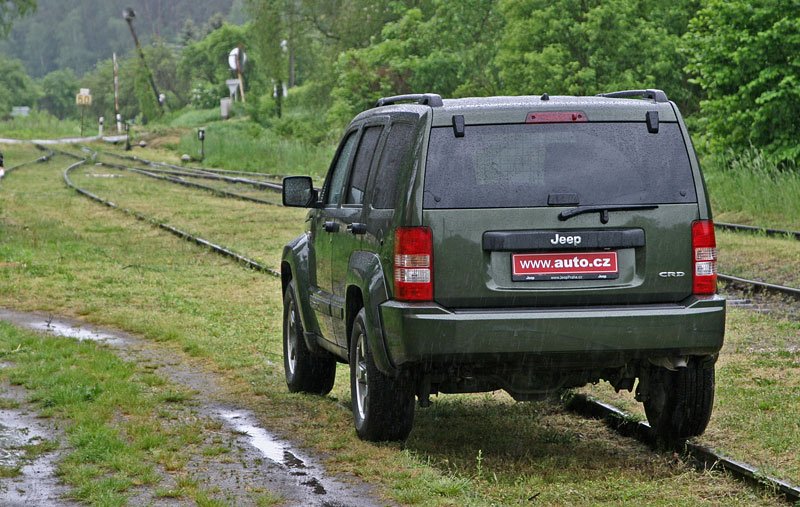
(331, 226)
(357, 228)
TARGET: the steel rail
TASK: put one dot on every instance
(181, 181)
(204, 169)
(42, 159)
(758, 230)
(193, 172)
(192, 238)
(261, 185)
(728, 279)
(705, 457)
(760, 286)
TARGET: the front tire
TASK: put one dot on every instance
(383, 407)
(306, 372)
(678, 404)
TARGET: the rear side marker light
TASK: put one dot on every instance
(704, 258)
(413, 264)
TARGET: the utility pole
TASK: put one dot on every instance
(128, 14)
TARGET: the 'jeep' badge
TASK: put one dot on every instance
(566, 240)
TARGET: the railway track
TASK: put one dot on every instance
(176, 174)
(703, 457)
(757, 230)
(193, 238)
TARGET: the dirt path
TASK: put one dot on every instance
(262, 461)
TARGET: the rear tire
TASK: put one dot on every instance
(679, 403)
(306, 372)
(383, 407)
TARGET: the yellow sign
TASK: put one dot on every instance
(83, 99)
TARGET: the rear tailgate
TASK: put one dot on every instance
(638, 257)
(494, 201)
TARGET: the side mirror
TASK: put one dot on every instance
(298, 192)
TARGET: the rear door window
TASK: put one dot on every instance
(519, 165)
(361, 165)
(397, 150)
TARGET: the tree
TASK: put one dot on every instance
(58, 93)
(16, 87)
(447, 49)
(744, 54)
(204, 64)
(11, 10)
(584, 47)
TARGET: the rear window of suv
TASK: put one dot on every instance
(519, 165)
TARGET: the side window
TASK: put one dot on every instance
(396, 151)
(333, 192)
(361, 165)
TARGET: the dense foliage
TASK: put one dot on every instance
(732, 66)
(587, 47)
(746, 56)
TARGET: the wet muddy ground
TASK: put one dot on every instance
(257, 462)
(33, 481)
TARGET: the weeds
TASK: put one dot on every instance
(751, 189)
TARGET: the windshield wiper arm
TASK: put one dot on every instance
(603, 209)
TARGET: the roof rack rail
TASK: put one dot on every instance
(652, 94)
(426, 99)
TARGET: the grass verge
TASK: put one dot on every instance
(118, 437)
(757, 257)
(749, 189)
(44, 126)
(244, 145)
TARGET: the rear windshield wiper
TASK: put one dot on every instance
(603, 209)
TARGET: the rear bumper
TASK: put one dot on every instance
(597, 337)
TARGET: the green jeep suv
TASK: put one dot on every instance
(530, 244)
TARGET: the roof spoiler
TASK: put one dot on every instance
(652, 94)
(426, 99)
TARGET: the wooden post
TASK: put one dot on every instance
(239, 71)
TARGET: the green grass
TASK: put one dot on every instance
(245, 145)
(76, 258)
(44, 126)
(757, 257)
(749, 189)
(192, 118)
(88, 387)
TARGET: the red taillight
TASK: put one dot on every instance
(556, 117)
(413, 264)
(704, 258)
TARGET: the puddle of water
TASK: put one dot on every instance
(272, 448)
(79, 333)
(261, 439)
(11, 441)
